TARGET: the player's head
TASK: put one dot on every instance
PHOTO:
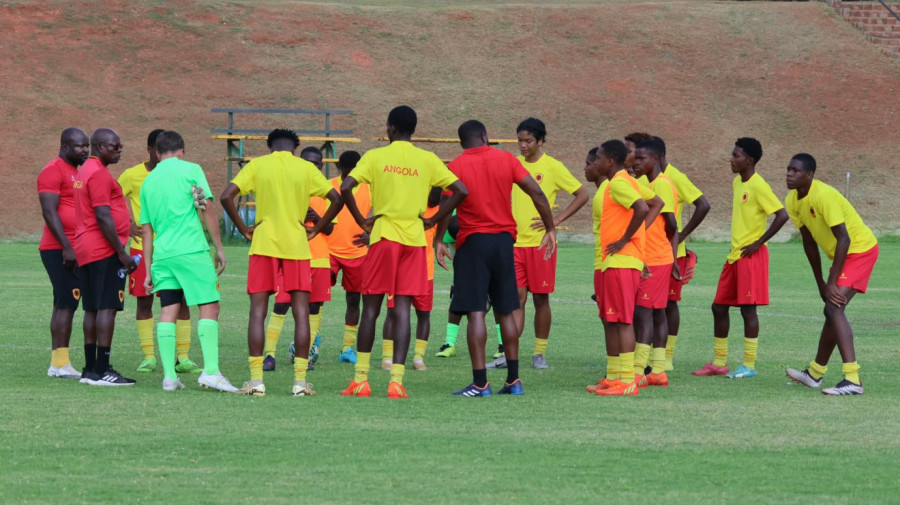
(611, 157)
(801, 171)
(647, 155)
(312, 155)
(347, 162)
(401, 122)
(531, 134)
(74, 146)
(591, 167)
(168, 144)
(434, 196)
(281, 139)
(472, 133)
(106, 146)
(151, 145)
(631, 140)
(662, 145)
(746, 154)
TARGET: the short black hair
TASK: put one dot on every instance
(638, 137)
(806, 160)
(169, 142)
(593, 152)
(533, 126)
(471, 129)
(310, 149)
(662, 144)
(751, 146)
(403, 118)
(651, 145)
(615, 150)
(348, 160)
(151, 139)
(282, 133)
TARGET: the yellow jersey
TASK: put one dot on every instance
(552, 176)
(131, 181)
(752, 204)
(823, 208)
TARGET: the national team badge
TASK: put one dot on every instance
(745, 197)
(76, 294)
(121, 296)
(539, 178)
(812, 212)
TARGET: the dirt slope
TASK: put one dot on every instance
(698, 74)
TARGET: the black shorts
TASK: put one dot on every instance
(66, 281)
(484, 270)
(102, 288)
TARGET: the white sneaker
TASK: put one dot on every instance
(844, 388)
(302, 388)
(419, 364)
(216, 381)
(172, 384)
(803, 377)
(64, 372)
(497, 363)
(387, 364)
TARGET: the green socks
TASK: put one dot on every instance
(452, 334)
(208, 331)
(165, 335)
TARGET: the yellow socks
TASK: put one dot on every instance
(626, 367)
(182, 338)
(145, 334)
(273, 332)
(750, 345)
(300, 366)
(851, 372)
(59, 357)
(720, 352)
(315, 325)
(421, 347)
(255, 367)
(817, 371)
(387, 350)
(397, 371)
(658, 359)
(362, 367)
(641, 357)
(612, 367)
(670, 351)
(349, 336)
(540, 346)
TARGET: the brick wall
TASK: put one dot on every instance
(874, 20)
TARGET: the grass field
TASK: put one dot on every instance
(702, 440)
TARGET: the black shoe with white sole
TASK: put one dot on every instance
(112, 378)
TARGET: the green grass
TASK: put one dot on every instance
(702, 440)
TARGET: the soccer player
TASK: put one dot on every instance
(348, 245)
(176, 255)
(283, 184)
(103, 226)
(624, 217)
(826, 219)
(534, 273)
(131, 181)
(55, 186)
(744, 281)
(320, 289)
(484, 266)
(400, 176)
(660, 250)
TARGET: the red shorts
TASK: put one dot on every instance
(532, 272)
(653, 291)
(394, 268)
(746, 281)
(319, 288)
(858, 269)
(620, 287)
(422, 303)
(598, 290)
(136, 279)
(676, 285)
(263, 275)
(352, 280)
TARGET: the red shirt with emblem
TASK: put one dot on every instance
(96, 187)
(58, 177)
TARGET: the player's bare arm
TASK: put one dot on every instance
(842, 247)
(781, 217)
(459, 192)
(227, 199)
(654, 207)
(336, 205)
(672, 235)
(641, 209)
(108, 228)
(211, 219)
(815, 259)
(581, 198)
(701, 209)
(49, 204)
(533, 190)
(147, 240)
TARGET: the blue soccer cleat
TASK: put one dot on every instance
(348, 355)
(473, 391)
(741, 372)
(512, 389)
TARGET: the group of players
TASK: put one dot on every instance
(382, 222)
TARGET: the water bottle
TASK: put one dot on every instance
(124, 271)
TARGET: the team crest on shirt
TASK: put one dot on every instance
(745, 197)
(121, 295)
(76, 184)
(812, 212)
(539, 178)
(76, 294)
(131, 281)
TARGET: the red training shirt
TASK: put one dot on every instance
(95, 187)
(489, 174)
(58, 177)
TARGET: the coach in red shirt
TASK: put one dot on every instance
(483, 267)
(103, 226)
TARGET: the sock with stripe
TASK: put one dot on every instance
(851, 372)
(612, 368)
(349, 335)
(362, 367)
(670, 350)
(145, 335)
(300, 367)
(387, 350)
(273, 333)
(540, 346)
(208, 334)
(255, 363)
(421, 348)
(397, 371)
(750, 345)
(641, 358)
(658, 359)
(720, 351)
(452, 334)
(165, 333)
(182, 338)
(626, 367)
(817, 371)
